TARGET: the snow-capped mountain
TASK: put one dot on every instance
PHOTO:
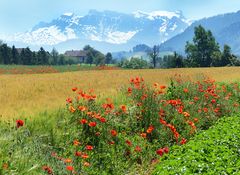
(107, 27)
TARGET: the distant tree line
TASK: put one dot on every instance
(24, 56)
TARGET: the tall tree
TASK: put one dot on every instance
(5, 54)
(54, 54)
(201, 51)
(108, 58)
(15, 56)
(154, 55)
(178, 59)
(42, 57)
(27, 60)
(91, 53)
(34, 60)
(61, 60)
(226, 55)
(99, 59)
(22, 56)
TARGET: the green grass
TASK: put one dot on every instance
(215, 151)
(16, 69)
(26, 150)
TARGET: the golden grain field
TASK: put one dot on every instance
(29, 94)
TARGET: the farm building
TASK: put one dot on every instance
(81, 55)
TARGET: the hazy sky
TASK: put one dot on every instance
(21, 15)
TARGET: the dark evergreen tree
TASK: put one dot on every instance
(22, 56)
(15, 56)
(42, 57)
(5, 54)
(27, 59)
(34, 60)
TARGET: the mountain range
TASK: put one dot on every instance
(110, 31)
(104, 30)
(225, 28)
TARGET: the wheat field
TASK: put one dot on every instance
(26, 95)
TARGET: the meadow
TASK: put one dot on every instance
(29, 94)
(120, 122)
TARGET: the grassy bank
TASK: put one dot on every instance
(215, 151)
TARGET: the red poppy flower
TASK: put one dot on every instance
(84, 156)
(183, 141)
(69, 168)
(83, 121)
(92, 124)
(138, 149)
(150, 129)
(19, 123)
(102, 119)
(114, 133)
(129, 90)
(68, 160)
(82, 108)
(78, 153)
(160, 152)
(143, 135)
(213, 101)
(195, 120)
(74, 89)
(123, 108)
(162, 87)
(166, 150)
(47, 169)
(76, 143)
(128, 142)
(69, 100)
(72, 109)
(111, 142)
(89, 147)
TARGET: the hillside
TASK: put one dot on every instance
(226, 29)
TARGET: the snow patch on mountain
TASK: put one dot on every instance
(163, 28)
(47, 35)
(156, 14)
(118, 37)
(173, 27)
(68, 14)
(113, 37)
